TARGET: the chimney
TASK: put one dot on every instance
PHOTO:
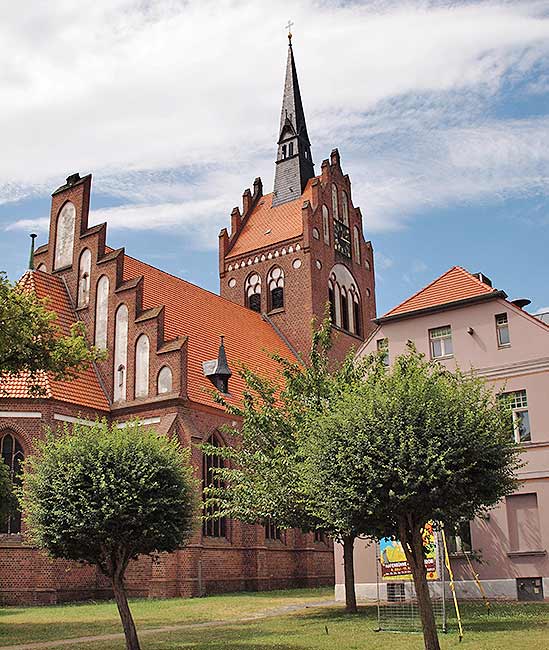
(483, 278)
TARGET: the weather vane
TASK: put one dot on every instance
(289, 28)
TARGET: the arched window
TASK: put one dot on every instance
(275, 282)
(101, 312)
(356, 240)
(84, 270)
(345, 208)
(42, 267)
(344, 300)
(252, 290)
(344, 309)
(12, 456)
(64, 236)
(164, 381)
(331, 300)
(142, 366)
(213, 526)
(335, 209)
(120, 353)
(326, 225)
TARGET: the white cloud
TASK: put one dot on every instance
(174, 106)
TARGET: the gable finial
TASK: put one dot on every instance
(31, 256)
(289, 28)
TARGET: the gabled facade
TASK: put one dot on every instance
(462, 321)
(291, 252)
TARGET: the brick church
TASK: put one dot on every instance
(286, 255)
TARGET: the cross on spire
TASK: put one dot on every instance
(289, 28)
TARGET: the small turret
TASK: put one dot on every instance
(217, 370)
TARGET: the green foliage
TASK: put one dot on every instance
(264, 477)
(8, 501)
(408, 445)
(105, 495)
(31, 341)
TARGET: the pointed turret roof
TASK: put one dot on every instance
(294, 162)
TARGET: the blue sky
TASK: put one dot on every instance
(440, 111)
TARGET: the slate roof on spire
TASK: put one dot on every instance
(292, 113)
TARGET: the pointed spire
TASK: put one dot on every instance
(294, 164)
(31, 256)
(217, 370)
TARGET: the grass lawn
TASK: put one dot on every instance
(517, 627)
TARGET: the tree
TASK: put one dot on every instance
(263, 478)
(409, 445)
(105, 495)
(8, 501)
(31, 342)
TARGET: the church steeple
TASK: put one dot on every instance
(294, 163)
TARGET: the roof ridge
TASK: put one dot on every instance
(420, 291)
(472, 276)
(215, 295)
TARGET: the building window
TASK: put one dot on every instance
(291, 149)
(252, 289)
(164, 381)
(142, 366)
(213, 525)
(120, 352)
(64, 236)
(383, 350)
(272, 531)
(344, 208)
(441, 342)
(523, 522)
(518, 402)
(331, 300)
(459, 539)
(502, 330)
(356, 239)
(335, 207)
(275, 282)
(283, 151)
(12, 456)
(326, 225)
(101, 312)
(84, 270)
(357, 321)
(344, 310)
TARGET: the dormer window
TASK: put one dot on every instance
(283, 151)
(291, 149)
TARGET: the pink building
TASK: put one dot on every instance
(461, 320)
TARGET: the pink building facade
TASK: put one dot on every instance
(462, 321)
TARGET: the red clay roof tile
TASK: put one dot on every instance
(454, 285)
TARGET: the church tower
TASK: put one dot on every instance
(292, 252)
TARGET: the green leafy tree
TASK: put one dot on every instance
(31, 341)
(409, 445)
(103, 495)
(263, 478)
(8, 501)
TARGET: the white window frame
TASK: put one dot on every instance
(500, 326)
(436, 334)
(519, 404)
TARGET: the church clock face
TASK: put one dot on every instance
(342, 238)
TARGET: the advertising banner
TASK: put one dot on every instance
(394, 565)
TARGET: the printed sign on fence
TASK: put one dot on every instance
(394, 565)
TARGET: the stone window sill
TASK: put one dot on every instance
(537, 553)
(278, 310)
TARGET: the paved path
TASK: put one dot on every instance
(269, 613)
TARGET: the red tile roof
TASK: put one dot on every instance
(268, 225)
(455, 285)
(83, 390)
(203, 317)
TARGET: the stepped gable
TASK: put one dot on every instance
(84, 389)
(203, 317)
(455, 285)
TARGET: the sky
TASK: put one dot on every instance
(440, 111)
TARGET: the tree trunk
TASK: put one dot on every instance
(412, 544)
(132, 642)
(349, 570)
